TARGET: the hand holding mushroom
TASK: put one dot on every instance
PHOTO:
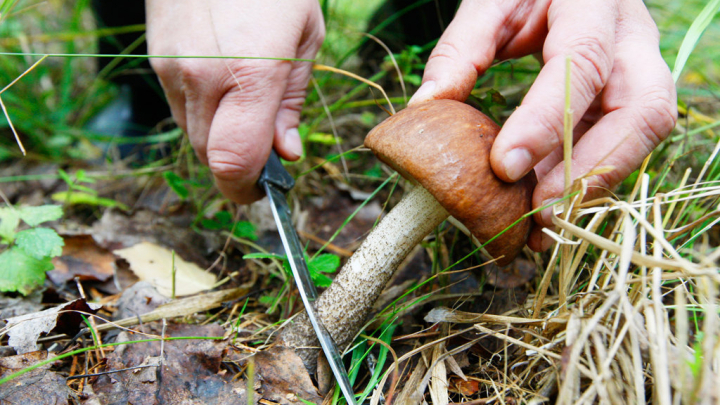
(444, 147)
(622, 90)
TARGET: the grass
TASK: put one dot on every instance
(624, 308)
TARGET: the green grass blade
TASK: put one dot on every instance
(382, 357)
(103, 55)
(693, 36)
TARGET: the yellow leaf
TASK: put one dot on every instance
(153, 263)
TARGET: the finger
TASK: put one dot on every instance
(242, 129)
(538, 241)
(466, 49)
(641, 110)
(287, 138)
(591, 117)
(202, 84)
(585, 31)
(171, 86)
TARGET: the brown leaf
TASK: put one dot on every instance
(284, 377)
(24, 330)
(39, 386)
(324, 375)
(188, 374)
(137, 300)
(467, 388)
(82, 257)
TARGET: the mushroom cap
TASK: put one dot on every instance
(444, 145)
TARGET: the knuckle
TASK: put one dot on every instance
(319, 35)
(591, 58)
(252, 77)
(293, 101)
(606, 181)
(191, 73)
(162, 66)
(446, 50)
(551, 122)
(228, 165)
(657, 115)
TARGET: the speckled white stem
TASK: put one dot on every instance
(344, 306)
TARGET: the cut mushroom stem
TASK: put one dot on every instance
(444, 147)
(345, 304)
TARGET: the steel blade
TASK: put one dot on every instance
(305, 285)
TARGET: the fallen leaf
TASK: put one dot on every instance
(138, 300)
(467, 388)
(39, 386)
(82, 257)
(453, 366)
(153, 263)
(189, 372)
(25, 330)
(324, 375)
(284, 377)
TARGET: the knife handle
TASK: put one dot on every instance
(274, 173)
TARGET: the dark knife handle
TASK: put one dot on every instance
(274, 173)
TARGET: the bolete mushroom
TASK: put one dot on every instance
(444, 147)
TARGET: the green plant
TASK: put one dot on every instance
(409, 62)
(29, 253)
(77, 193)
(223, 221)
(318, 266)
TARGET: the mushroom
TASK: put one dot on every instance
(443, 146)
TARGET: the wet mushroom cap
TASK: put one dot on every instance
(444, 145)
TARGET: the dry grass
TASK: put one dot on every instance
(621, 316)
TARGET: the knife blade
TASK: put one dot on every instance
(276, 182)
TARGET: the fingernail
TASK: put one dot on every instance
(516, 163)
(547, 213)
(546, 242)
(424, 93)
(293, 143)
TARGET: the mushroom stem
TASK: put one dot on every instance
(344, 306)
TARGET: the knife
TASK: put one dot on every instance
(276, 182)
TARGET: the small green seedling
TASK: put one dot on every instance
(177, 184)
(410, 63)
(318, 266)
(223, 221)
(29, 252)
(78, 194)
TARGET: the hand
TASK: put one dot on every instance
(236, 110)
(622, 91)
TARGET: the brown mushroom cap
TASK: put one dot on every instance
(445, 146)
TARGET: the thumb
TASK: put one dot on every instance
(466, 48)
(241, 133)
